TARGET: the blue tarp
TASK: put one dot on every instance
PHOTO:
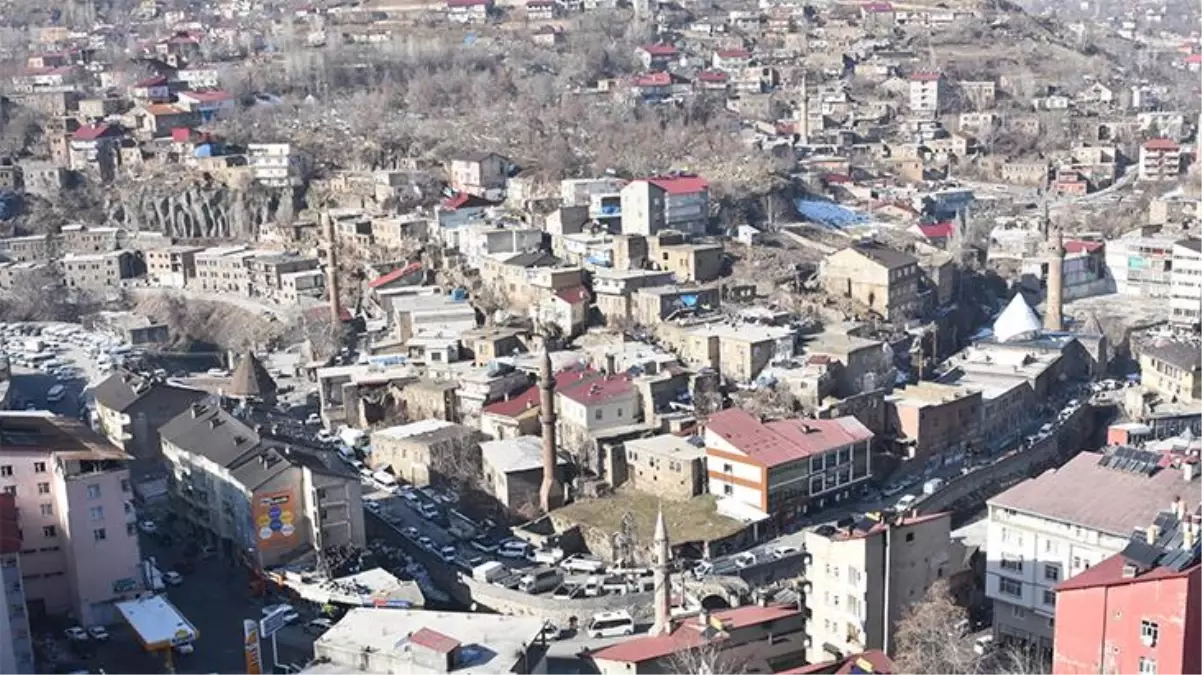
(688, 300)
(828, 213)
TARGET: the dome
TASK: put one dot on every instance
(1018, 320)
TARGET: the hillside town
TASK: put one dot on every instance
(586, 336)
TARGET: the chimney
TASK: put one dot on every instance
(611, 364)
(1188, 534)
(1177, 507)
(1153, 533)
(1188, 471)
(703, 618)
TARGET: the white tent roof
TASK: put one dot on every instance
(1018, 319)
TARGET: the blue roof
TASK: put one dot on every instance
(828, 213)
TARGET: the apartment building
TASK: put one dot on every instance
(265, 272)
(1141, 263)
(1159, 159)
(595, 405)
(667, 466)
(650, 306)
(1052, 528)
(16, 642)
(786, 468)
(678, 203)
(99, 272)
(934, 424)
(264, 499)
(295, 286)
(83, 239)
(688, 262)
(79, 543)
(130, 409)
(1185, 283)
(1171, 368)
(427, 451)
(483, 174)
(30, 248)
(1138, 611)
(172, 267)
(224, 269)
(739, 352)
(876, 276)
(926, 93)
(862, 579)
(275, 164)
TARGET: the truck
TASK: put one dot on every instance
(152, 576)
(489, 571)
(33, 345)
(932, 486)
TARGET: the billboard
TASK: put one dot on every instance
(250, 647)
(276, 515)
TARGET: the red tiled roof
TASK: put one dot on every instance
(648, 648)
(784, 441)
(529, 398)
(680, 185)
(659, 50)
(878, 7)
(1162, 144)
(937, 230)
(925, 77)
(158, 109)
(323, 312)
(156, 81)
(385, 279)
(208, 95)
(10, 533)
(91, 132)
(786, 128)
(181, 134)
(753, 615)
(574, 295)
(432, 639)
(838, 178)
(467, 3)
(712, 76)
(734, 54)
(871, 661)
(1109, 572)
(598, 389)
(1194, 58)
(653, 80)
(1082, 246)
(465, 200)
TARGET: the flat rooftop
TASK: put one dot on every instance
(666, 445)
(695, 519)
(157, 622)
(747, 332)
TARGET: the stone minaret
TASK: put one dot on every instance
(332, 272)
(546, 384)
(663, 610)
(1053, 315)
(803, 114)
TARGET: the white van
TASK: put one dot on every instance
(611, 624)
(56, 393)
(540, 580)
(385, 480)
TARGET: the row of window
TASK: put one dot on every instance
(8, 471)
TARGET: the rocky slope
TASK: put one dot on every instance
(194, 210)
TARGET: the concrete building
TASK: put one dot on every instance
(1136, 612)
(16, 642)
(78, 529)
(1159, 159)
(83, 239)
(650, 306)
(934, 424)
(1141, 262)
(260, 500)
(667, 466)
(482, 174)
(862, 579)
(688, 262)
(224, 269)
(738, 352)
(513, 472)
(517, 414)
(275, 165)
(427, 451)
(590, 407)
(875, 276)
(130, 409)
(32, 247)
(1185, 284)
(1049, 529)
(652, 205)
(786, 468)
(172, 267)
(421, 642)
(1172, 369)
(926, 93)
(99, 272)
(266, 272)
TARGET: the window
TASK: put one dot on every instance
(853, 605)
(96, 513)
(1147, 666)
(125, 485)
(1010, 587)
(728, 489)
(1049, 598)
(10, 490)
(727, 468)
(1049, 546)
(619, 412)
(6, 471)
(853, 575)
(43, 488)
(1051, 573)
(1018, 612)
(39, 467)
(49, 531)
(1149, 632)
(93, 492)
(99, 534)
(1011, 564)
(47, 509)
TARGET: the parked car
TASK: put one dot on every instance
(551, 632)
(745, 559)
(783, 551)
(448, 553)
(148, 527)
(173, 578)
(99, 633)
(547, 556)
(513, 549)
(411, 532)
(905, 503)
(583, 564)
(611, 624)
(425, 541)
(76, 634)
(484, 545)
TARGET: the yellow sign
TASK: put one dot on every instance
(275, 519)
(250, 647)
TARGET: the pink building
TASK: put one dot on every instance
(78, 530)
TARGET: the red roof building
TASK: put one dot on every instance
(734, 54)
(649, 80)
(433, 640)
(680, 185)
(1139, 611)
(465, 200)
(94, 132)
(925, 77)
(600, 390)
(574, 295)
(1083, 246)
(871, 662)
(1162, 144)
(937, 230)
(746, 457)
(395, 275)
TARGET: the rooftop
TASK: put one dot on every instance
(680, 185)
(1086, 493)
(42, 431)
(529, 398)
(524, 453)
(883, 255)
(1184, 354)
(691, 520)
(598, 390)
(783, 441)
(487, 643)
(416, 429)
(156, 621)
(666, 445)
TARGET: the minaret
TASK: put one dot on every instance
(332, 272)
(803, 115)
(663, 611)
(1053, 314)
(546, 384)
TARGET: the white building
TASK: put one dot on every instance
(1141, 263)
(1050, 528)
(1159, 159)
(1185, 283)
(274, 164)
(16, 642)
(926, 89)
(674, 203)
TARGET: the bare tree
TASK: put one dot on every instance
(709, 658)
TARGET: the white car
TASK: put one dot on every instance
(745, 559)
(173, 578)
(782, 551)
(905, 503)
(513, 549)
(425, 542)
(448, 553)
(76, 634)
(98, 633)
(290, 613)
(185, 648)
(148, 527)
